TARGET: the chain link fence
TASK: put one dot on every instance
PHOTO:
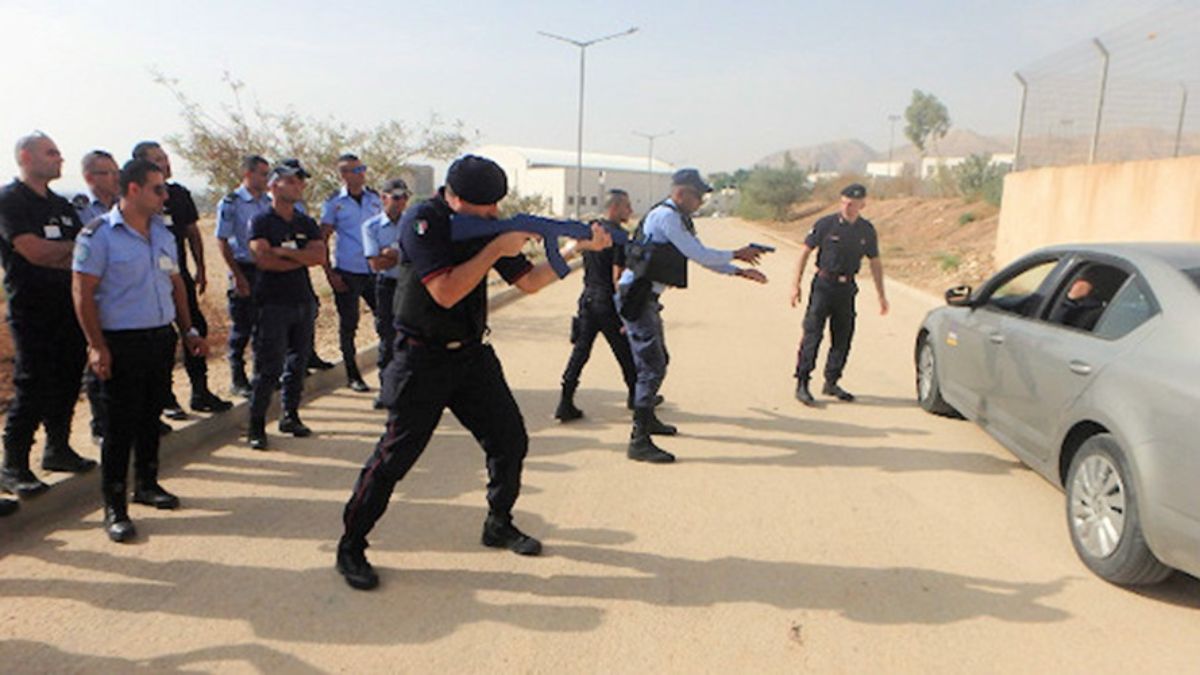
(1131, 93)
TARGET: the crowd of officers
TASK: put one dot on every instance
(102, 281)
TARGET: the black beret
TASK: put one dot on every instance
(477, 180)
(854, 191)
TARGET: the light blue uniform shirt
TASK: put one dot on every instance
(378, 233)
(135, 290)
(233, 220)
(347, 217)
(663, 225)
(88, 207)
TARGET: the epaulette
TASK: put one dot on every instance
(93, 225)
(80, 201)
(372, 190)
(230, 198)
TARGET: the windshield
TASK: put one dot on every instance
(1194, 275)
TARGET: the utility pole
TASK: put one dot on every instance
(650, 162)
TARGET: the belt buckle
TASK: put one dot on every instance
(454, 345)
(843, 279)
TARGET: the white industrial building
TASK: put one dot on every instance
(551, 174)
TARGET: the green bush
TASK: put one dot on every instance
(977, 178)
(948, 262)
(968, 217)
(769, 193)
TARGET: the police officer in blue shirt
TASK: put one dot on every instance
(128, 291)
(441, 360)
(380, 235)
(103, 178)
(37, 229)
(343, 215)
(285, 243)
(181, 216)
(667, 236)
(841, 240)
(234, 214)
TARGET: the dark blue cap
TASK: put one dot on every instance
(477, 180)
(690, 178)
(854, 191)
(289, 167)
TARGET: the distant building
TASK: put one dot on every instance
(930, 165)
(885, 169)
(551, 174)
(821, 176)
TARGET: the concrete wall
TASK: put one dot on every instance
(1154, 200)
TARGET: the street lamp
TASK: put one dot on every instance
(583, 45)
(650, 162)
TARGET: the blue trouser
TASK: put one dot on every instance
(283, 337)
(646, 339)
(241, 320)
(358, 286)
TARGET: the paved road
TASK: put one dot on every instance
(858, 538)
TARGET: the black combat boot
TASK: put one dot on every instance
(60, 456)
(641, 446)
(831, 388)
(352, 564)
(657, 427)
(290, 424)
(354, 378)
(17, 479)
(499, 532)
(257, 434)
(566, 404)
(117, 524)
(804, 395)
(240, 384)
(204, 400)
(146, 489)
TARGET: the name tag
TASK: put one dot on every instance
(166, 264)
(52, 232)
(290, 244)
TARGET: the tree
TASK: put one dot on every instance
(215, 143)
(770, 193)
(978, 178)
(926, 120)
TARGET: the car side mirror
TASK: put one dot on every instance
(959, 296)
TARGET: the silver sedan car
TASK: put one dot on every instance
(1084, 361)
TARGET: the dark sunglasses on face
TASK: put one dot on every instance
(361, 168)
(160, 189)
(397, 195)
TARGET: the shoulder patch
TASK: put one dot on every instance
(421, 226)
(80, 201)
(93, 225)
(230, 198)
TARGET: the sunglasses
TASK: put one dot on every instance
(160, 189)
(397, 195)
(361, 168)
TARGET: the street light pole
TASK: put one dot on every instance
(650, 162)
(892, 142)
(582, 45)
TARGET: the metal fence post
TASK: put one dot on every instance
(1182, 112)
(1020, 121)
(1100, 102)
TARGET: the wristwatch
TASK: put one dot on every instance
(192, 332)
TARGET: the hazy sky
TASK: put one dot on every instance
(734, 80)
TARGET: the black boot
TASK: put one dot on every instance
(240, 384)
(641, 446)
(657, 427)
(315, 362)
(204, 400)
(804, 395)
(354, 378)
(60, 456)
(630, 405)
(146, 489)
(9, 507)
(567, 411)
(352, 564)
(20, 481)
(290, 424)
(173, 411)
(499, 532)
(116, 516)
(257, 434)
(832, 389)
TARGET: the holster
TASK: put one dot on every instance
(634, 297)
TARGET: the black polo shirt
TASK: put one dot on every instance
(179, 212)
(598, 265)
(427, 252)
(842, 245)
(23, 211)
(294, 286)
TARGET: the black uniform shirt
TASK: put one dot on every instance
(598, 265)
(294, 286)
(180, 212)
(842, 245)
(427, 252)
(23, 211)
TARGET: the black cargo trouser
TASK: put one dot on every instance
(283, 336)
(50, 355)
(359, 286)
(831, 301)
(598, 314)
(196, 367)
(133, 398)
(241, 319)
(385, 321)
(421, 382)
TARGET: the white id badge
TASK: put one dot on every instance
(52, 232)
(166, 264)
(289, 244)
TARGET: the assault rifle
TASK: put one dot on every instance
(463, 227)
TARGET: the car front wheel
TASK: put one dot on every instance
(929, 392)
(1104, 518)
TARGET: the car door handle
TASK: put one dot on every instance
(1080, 368)
(996, 338)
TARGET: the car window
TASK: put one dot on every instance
(1018, 294)
(1084, 295)
(1194, 275)
(1129, 309)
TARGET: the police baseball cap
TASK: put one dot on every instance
(477, 180)
(396, 187)
(288, 167)
(690, 178)
(854, 191)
